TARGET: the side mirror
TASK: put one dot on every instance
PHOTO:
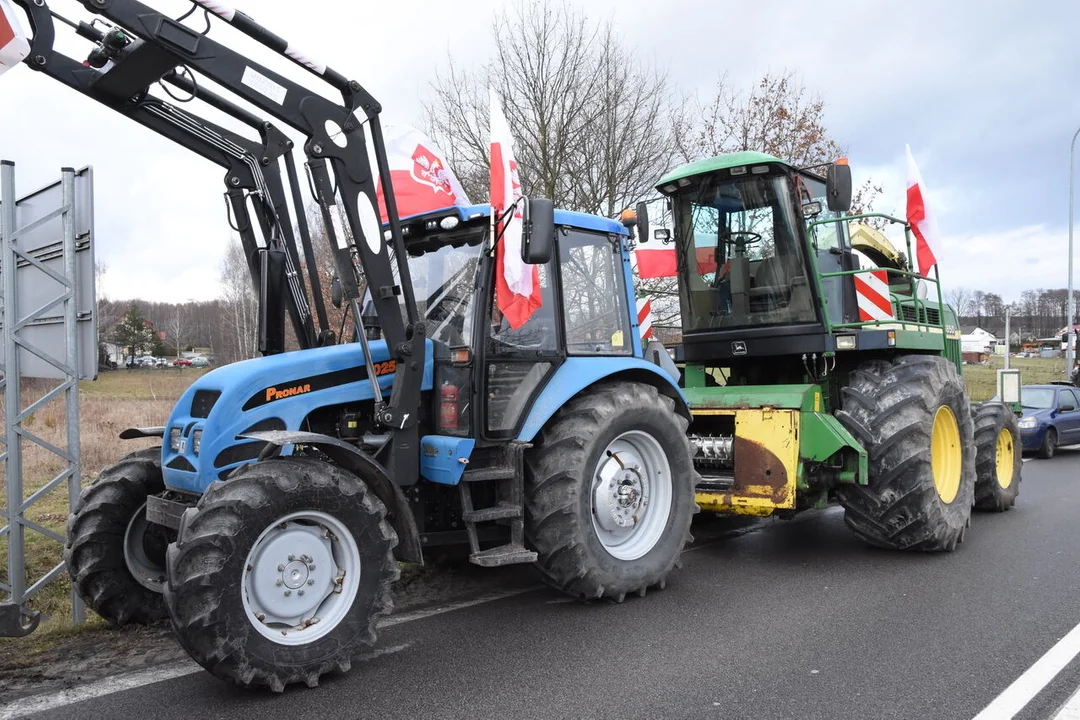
(838, 187)
(643, 221)
(539, 236)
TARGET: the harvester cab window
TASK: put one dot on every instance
(743, 256)
(831, 246)
(594, 296)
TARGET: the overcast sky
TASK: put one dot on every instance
(986, 93)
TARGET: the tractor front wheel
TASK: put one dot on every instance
(914, 419)
(610, 492)
(115, 558)
(997, 457)
(279, 574)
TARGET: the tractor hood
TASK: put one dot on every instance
(203, 440)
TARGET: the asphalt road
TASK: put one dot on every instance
(779, 619)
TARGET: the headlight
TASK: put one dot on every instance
(174, 439)
(196, 441)
(1027, 423)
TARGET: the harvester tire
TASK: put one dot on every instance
(914, 420)
(246, 554)
(609, 492)
(997, 457)
(107, 524)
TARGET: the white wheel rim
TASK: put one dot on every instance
(300, 578)
(631, 495)
(149, 574)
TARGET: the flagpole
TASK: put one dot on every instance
(1070, 332)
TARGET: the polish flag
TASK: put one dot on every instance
(13, 44)
(418, 171)
(656, 263)
(517, 284)
(923, 223)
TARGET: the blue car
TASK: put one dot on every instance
(1051, 418)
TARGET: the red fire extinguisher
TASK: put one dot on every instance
(448, 416)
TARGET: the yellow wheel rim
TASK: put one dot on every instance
(946, 454)
(1006, 458)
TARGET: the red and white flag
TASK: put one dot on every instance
(13, 44)
(418, 171)
(517, 284)
(923, 223)
(655, 262)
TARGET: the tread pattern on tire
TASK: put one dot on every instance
(990, 419)
(554, 526)
(94, 548)
(889, 408)
(211, 623)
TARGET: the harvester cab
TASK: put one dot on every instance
(814, 379)
(269, 523)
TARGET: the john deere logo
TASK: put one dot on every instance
(272, 393)
(738, 348)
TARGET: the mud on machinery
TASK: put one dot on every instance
(269, 523)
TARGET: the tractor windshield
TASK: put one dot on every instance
(444, 281)
(742, 259)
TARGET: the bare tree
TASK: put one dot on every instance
(960, 299)
(238, 328)
(590, 120)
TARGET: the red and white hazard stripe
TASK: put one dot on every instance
(872, 289)
(644, 317)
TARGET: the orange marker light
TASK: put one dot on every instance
(841, 161)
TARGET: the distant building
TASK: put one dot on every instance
(976, 340)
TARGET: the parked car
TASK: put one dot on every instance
(181, 362)
(200, 362)
(1051, 418)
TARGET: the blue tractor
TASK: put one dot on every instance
(269, 524)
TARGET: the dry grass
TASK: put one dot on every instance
(118, 400)
(982, 379)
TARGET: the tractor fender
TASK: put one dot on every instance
(143, 432)
(367, 469)
(580, 373)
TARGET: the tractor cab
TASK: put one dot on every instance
(488, 369)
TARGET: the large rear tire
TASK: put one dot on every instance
(116, 559)
(998, 464)
(610, 492)
(249, 551)
(914, 419)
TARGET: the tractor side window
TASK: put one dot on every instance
(830, 235)
(593, 295)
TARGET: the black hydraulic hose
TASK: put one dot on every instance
(305, 242)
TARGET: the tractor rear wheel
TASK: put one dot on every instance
(279, 574)
(610, 492)
(914, 419)
(115, 558)
(997, 457)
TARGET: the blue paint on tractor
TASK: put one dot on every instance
(443, 458)
(578, 373)
(277, 392)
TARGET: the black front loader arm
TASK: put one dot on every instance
(155, 46)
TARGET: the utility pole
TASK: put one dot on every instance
(1008, 339)
(1070, 331)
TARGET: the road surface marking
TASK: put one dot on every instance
(1035, 678)
(450, 607)
(129, 681)
(1071, 709)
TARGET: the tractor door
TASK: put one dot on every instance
(518, 361)
(832, 249)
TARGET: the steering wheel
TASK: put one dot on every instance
(740, 238)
